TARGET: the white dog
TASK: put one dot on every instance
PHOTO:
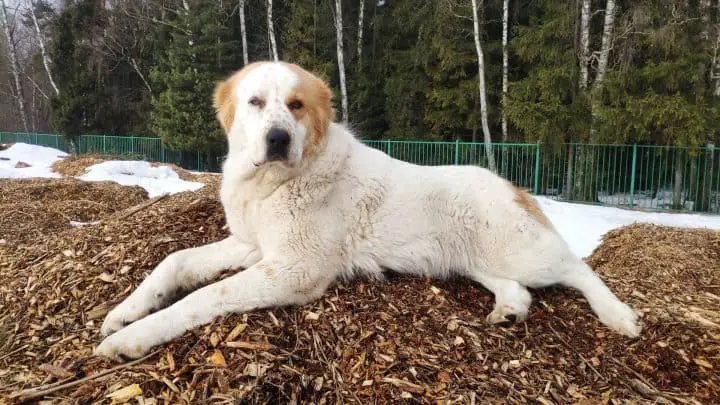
(307, 203)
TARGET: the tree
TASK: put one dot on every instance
(483, 96)
(340, 58)
(42, 7)
(361, 21)
(14, 65)
(200, 51)
(271, 31)
(243, 31)
(506, 9)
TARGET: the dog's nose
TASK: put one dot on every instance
(278, 142)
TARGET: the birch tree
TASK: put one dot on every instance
(271, 32)
(340, 59)
(584, 44)
(607, 38)
(243, 31)
(361, 19)
(576, 167)
(506, 10)
(481, 84)
(41, 42)
(14, 66)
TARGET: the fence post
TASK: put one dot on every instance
(457, 151)
(632, 176)
(36, 139)
(536, 179)
(104, 145)
(198, 161)
(162, 152)
(57, 142)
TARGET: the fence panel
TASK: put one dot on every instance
(662, 178)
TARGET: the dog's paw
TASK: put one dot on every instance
(622, 319)
(124, 345)
(121, 316)
(508, 314)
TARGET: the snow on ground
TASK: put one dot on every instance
(156, 180)
(582, 226)
(39, 159)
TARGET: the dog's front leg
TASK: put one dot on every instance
(184, 269)
(266, 284)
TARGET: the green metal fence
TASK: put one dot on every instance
(660, 178)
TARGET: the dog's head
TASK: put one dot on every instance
(274, 112)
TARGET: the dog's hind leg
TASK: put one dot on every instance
(182, 270)
(612, 312)
(512, 300)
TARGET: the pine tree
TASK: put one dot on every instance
(198, 53)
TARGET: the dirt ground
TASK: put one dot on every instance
(406, 340)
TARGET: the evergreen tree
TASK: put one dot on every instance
(78, 108)
(199, 52)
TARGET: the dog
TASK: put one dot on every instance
(307, 204)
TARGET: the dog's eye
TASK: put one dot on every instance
(255, 101)
(295, 105)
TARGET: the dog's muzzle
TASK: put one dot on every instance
(278, 144)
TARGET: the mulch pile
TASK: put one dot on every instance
(77, 166)
(33, 208)
(407, 340)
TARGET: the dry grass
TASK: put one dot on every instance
(405, 340)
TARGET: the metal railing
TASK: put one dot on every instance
(659, 178)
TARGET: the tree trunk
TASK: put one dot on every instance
(12, 51)
(43, 52)
(606, 42)
(361, 20)
(481, 80)
(569, 173)
(243, 31)
(506, 10)
(715, 63)
(584, 44)
(271, 32)
(341, 62)
(678, 181)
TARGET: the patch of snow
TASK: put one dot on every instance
(76, 224)
(39, 159)
(155, 180)
(582, 226)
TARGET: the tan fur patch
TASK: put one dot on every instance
(317, 111)
(528, 203)
(223, 99)
(267, 270)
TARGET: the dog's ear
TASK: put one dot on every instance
(224, 103)
(325, 112)
(322, 115)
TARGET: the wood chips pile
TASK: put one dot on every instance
(77, 165)
(33, 208)
(404, 341)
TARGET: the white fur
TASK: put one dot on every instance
(298, 226)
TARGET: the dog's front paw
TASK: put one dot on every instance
(127, 344)
(121, 316)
